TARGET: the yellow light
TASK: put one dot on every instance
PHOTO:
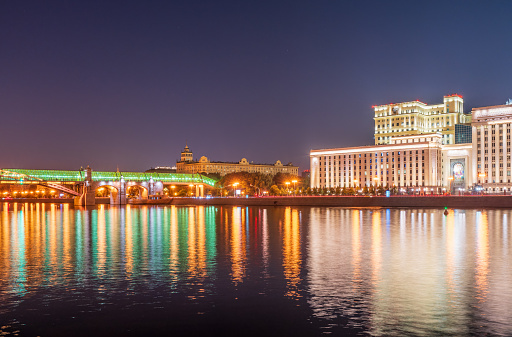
(235, 184)
(294, 181)
(450, 178)
(287, 183)
(173, 187)
(481, 174)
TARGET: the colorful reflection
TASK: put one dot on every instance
(291, 251)
(370, 271)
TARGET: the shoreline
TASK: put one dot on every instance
(469, 202)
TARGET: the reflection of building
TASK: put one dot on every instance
(204, 165)
(452, 158)
(415, 118)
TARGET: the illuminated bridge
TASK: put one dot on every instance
(83, 183)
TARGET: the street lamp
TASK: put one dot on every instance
(172, 188)
(287, 187)
(234, 188)
(294, 182)
(191, 185)
(450, 179)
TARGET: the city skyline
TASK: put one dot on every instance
(126, 85)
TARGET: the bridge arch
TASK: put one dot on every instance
(142, 192)
(115, 198)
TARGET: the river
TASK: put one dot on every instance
(265, 271)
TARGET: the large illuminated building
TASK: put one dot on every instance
(491, 147)
(188, 165)
(437, 148)
(415, 118)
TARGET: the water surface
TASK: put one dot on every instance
(274, 271)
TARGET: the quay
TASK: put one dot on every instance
(467, 202)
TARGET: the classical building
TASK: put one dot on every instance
(204, 165)
(415, 118)
(420, 162)
(409, 161)
(468, 151)
(491, 147)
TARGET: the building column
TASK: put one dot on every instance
(489, 153)
(200, 190)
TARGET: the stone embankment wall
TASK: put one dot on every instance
(396, 201)
(495, 201)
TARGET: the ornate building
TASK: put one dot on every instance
(204, 165)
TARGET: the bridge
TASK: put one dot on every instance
(83, 183)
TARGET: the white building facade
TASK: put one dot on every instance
(410, 161)
(491, 128)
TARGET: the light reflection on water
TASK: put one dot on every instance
(364, 271)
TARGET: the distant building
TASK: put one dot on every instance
(162, 169)
(416, 118)
(306, 174)
(204, 165)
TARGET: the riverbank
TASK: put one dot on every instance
(494, 201)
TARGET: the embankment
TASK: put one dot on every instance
(342, 201)
(495, 201)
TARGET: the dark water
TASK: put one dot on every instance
(223, 271)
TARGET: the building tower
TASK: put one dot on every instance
(186, 154)
(416, 118)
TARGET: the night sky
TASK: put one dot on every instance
(125, 83)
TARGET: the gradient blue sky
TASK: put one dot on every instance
(126, 83)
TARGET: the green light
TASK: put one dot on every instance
(76, 176)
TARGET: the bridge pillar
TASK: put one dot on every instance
(118, 197)
(151, 186)
(200, 190)
(88, 198)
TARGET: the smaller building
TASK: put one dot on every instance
(206, 166)
(162, 169)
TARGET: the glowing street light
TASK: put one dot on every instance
(234, 188)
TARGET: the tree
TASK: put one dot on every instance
(350, 191)
(274, 190)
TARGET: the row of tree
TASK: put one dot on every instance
(257, 183)
(283, 184)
